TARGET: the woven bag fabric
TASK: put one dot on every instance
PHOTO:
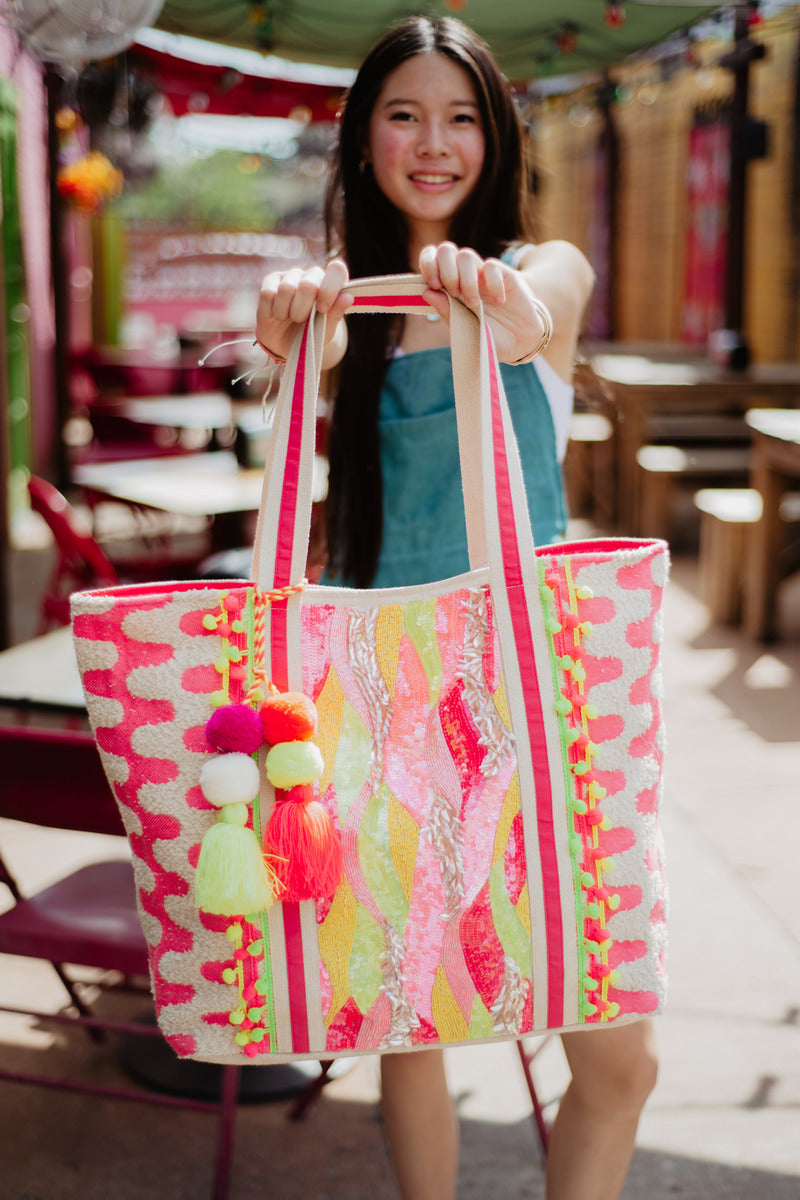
(493, 755)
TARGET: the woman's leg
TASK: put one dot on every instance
(613, 1072)
(421, 1124)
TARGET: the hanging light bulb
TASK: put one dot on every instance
(614, 16)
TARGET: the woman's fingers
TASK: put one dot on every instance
(429, 266)
(464, 274)
(494, 278)
(287, 299)
(331, 287)
(508, 304)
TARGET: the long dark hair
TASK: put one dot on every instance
(372, 236)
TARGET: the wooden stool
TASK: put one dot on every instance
(588, 467)
(726, 517)
(661, 468)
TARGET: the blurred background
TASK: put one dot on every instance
(158, 159)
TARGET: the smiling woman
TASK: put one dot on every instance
(429, 176)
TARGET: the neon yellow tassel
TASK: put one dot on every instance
(232, 878)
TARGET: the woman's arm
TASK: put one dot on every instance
(559, 274)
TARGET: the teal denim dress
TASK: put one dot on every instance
(424, 528)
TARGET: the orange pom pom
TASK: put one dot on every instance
(302, 846)
(288, 717)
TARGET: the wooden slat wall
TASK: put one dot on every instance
(653, 134)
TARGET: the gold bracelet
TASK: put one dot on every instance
(543, 313)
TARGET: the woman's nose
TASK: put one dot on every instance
(433, 139)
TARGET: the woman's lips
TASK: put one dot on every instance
(433, 180)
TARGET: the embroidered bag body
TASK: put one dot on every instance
(440, 802)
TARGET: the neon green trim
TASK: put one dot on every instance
(569, 779)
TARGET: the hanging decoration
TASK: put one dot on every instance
(614, 16)
(567, 38)
(754, 15)
(263, 25)
(89, 182)
(297, 852)
(73, 32)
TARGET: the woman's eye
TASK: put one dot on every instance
(465, 119)
(401, 116)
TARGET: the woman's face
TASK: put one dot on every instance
(426, 142)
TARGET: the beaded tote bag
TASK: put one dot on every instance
(368, 821)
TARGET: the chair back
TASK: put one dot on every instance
(81, 552)
(81, 561)
(54, 778)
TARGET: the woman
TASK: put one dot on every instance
(430, 177)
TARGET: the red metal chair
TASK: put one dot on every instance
(527, 1057)
(88, 919)
(81, 562)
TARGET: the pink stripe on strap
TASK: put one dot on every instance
(390, 302)
(523, 638)
(295, 976)
(291, 477)
(279, 656)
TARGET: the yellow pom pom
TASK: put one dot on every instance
(232, 877)
(291, 763)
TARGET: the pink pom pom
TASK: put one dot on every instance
(235, 727)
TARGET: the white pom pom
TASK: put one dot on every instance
(229, 779)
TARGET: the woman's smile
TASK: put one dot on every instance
(427, 180)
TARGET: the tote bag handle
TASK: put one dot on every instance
(498, 525)
(499, 536)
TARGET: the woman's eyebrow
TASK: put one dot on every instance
(451, 103)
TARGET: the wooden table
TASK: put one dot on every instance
(202, 410)
(43, 674)
(213, 412)
(192, 485)
(645, 393)
(775, 470)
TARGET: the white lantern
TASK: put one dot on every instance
(79, 31)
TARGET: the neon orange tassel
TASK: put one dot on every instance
(302, 846)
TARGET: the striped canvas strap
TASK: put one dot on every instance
(499, 535)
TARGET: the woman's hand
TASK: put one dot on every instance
(287, 299)
(510, 307)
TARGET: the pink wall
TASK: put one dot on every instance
(27, 73)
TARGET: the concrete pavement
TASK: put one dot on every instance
(724, 1121)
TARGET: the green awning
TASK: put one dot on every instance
(527, 36)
